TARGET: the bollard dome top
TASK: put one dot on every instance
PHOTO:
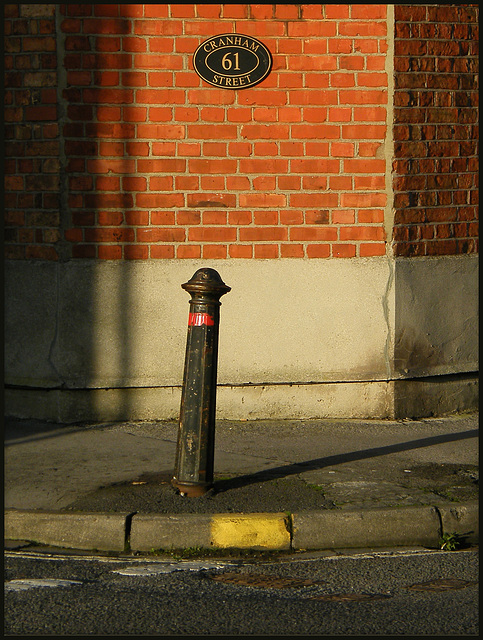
(208, 282)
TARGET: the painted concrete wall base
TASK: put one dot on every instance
(399, 399)
(435, 396)
(362, 338)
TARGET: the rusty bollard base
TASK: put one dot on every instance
(191, 490)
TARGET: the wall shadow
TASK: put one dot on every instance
(96, 202)
(20, 431)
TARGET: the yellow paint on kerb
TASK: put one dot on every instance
(253, 530)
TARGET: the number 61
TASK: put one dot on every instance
(227, 64)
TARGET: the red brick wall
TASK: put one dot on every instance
(31, 165)
(140, 159)
(161, 165)
(435, 130)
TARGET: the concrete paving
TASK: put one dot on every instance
(280, 485)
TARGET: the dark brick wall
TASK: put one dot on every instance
(32, 165)
(435, 130)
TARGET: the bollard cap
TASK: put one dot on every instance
(206, 283)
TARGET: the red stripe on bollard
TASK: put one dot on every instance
(198, 319)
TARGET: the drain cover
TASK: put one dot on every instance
(267, 582)
(441, 584)
(351, 597)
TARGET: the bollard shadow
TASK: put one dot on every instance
(295, 468)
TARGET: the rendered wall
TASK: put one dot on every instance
(301, 339)
(284, 323)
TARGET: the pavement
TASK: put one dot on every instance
(285, 486)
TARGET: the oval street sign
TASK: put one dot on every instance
(232, 61)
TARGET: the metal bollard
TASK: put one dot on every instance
(193, 472)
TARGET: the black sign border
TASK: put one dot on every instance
(265, 49)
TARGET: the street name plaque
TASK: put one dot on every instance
(232, 61)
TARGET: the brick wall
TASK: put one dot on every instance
(31, 165)
(435, 130)
(120, 151)
(161, 165)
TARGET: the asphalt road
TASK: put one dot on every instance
(412, 592)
